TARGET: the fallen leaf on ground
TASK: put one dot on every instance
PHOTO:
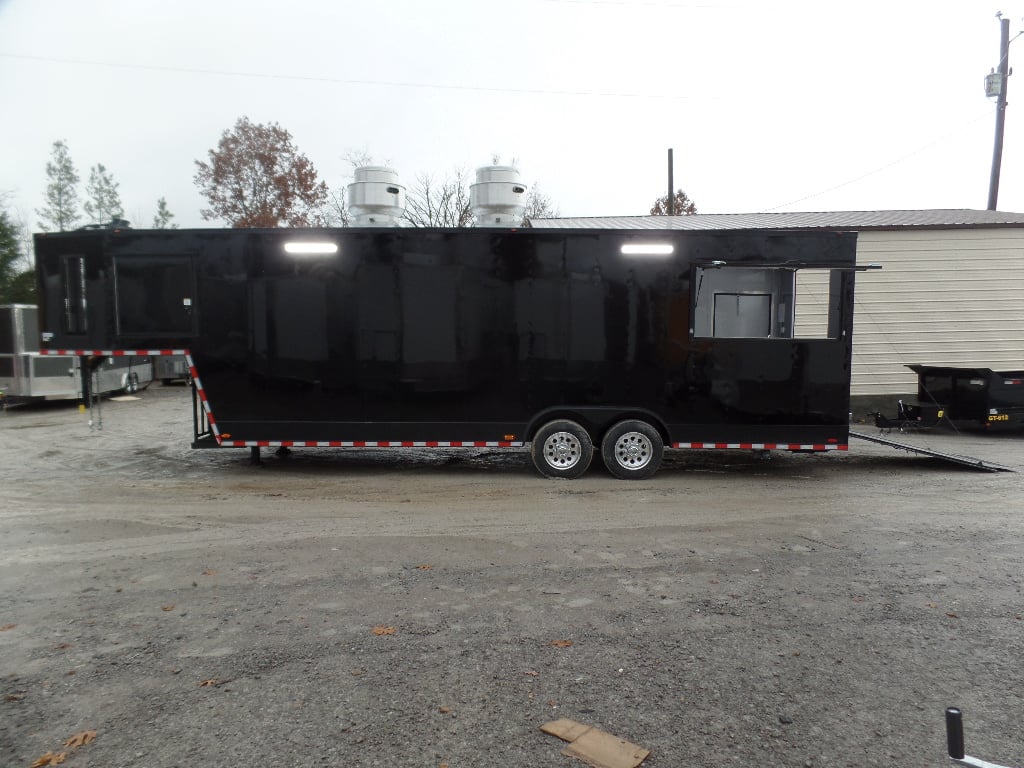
(383, 630)
(14, 697)
(204, 683)
(62, 646)
(424, 567)
(81, 739)
(50, 759)
(561, 643)
(209, 572)
(444, 710)
(6, 627)
(531, 673)
(930, 605)
(952, 616)
(167, 607)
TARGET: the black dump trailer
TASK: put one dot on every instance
(972, 397)
(572, 342)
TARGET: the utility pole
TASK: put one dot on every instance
(670, 207)
(1004, 75)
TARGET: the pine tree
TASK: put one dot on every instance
(10, 254)
(163, 217)
(104, 203)
(17, 284)
(61, 211)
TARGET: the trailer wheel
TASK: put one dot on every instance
(562, 448)
(632, 450)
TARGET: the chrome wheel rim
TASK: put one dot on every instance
(563, 450)
(633, 450)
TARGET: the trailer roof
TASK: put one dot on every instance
(963, 218)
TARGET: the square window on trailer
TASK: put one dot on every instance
(154, 295)
(765, 303)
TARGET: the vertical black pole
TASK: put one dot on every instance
(85, 375)
(955, 733)
(997, 151)
(670, 208)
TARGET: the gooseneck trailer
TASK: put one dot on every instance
(575, 343)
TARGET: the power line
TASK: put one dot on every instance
(897, 161)
(344, 81)
(634, 3)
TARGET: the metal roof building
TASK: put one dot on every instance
(950, 293)
(854, 220)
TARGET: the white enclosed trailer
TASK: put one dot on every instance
(26, 376)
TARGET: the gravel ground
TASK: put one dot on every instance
(368, 608)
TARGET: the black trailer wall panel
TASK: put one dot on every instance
(469, 334)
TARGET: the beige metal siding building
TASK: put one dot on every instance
(950, 297)
(950, 292)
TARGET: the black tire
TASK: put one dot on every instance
(632, 450)
(562, 448)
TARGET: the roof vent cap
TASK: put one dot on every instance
(498, 198)
(375, 198)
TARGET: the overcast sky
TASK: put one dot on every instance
(769, 105)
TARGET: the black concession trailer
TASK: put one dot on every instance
(572, 342)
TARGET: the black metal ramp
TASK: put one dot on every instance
(967, 461)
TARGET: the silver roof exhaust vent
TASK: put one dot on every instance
(375, 198)
(498, 199)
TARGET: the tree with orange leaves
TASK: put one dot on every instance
(682, 205)
(256, 177)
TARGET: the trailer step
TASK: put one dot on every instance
(967, 461)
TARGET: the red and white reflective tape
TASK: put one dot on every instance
(371, 443)
(765, 446)
(112, 352)
(194, 374)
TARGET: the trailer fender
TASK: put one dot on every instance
(595, 420)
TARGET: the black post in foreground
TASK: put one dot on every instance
(955, 733)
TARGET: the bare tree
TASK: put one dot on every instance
(439, 204)
(538, 206)
(357, 158)
(335, 210)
